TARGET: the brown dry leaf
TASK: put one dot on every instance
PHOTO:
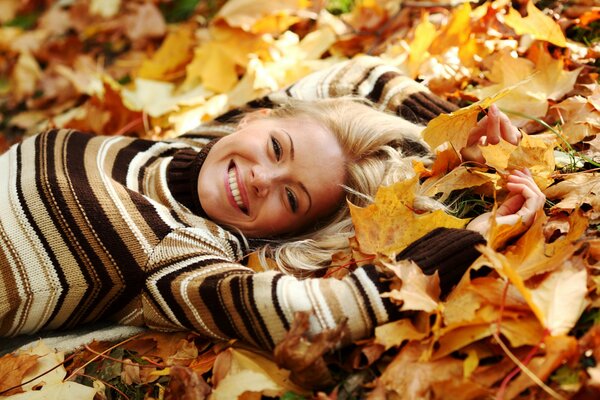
(557, 301)
(389, 224)
(107, 114)
(581, 118)
(13, 368)
(576, 190)
(417, 291)
(186, 353)
(133, 374)
(239, 371)
(25, 76)
(171, 59)
(409, 377)
(536, 24)
(393, 334)
(559, 349)
(304, 356)
(143, 21)
(186, 384)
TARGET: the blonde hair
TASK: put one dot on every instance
(379, 148)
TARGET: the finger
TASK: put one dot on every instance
(493, 125)
(509, 132)
(511, 204)
(477, 132)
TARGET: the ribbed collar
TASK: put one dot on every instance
(182, 176)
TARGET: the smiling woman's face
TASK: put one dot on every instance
(273, 176)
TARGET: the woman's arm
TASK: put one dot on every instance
(188, 288)
(363, 77)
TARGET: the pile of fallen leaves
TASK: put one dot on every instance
(525, 319)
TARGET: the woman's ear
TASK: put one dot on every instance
(254, 115)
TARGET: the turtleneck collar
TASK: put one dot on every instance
(182, 176)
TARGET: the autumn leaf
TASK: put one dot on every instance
(239, 371)
(12, 370)
(303, 356)
(455, 127)
(417, 291)
(389, 224)
(170, 61)
(536, 24)
(394, 334)
(261, 17)
(582, 118)
(186, 384)
(532, 83)
(575, 190)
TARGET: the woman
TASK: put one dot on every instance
(154, 233)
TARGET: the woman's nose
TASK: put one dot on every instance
(263, 179)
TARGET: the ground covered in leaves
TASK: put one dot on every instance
(523, 323)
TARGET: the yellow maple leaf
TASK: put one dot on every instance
(424, 35)
(389, 224)
(533, 153)
(457, 31)
(455, 127)
(393, 334)
(537, 24)
(169, 61)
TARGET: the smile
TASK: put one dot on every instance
(234, 187)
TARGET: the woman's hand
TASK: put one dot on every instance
(523, 202)
(489, 130)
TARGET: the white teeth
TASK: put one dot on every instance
(235, 189)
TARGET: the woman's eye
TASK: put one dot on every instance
(292, 200)
(276, 148)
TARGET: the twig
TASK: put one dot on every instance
(105, 383)
(97, 356)
(39, 376)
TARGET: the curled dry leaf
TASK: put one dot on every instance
(415, 291)
(186, 384)
(303, 356)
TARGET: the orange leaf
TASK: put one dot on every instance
(12, 370)
(170, 60)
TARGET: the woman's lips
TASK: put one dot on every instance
(236, 192)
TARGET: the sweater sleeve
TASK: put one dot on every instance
(193, 284)
(363, 77)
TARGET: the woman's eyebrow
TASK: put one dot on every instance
(300, 183)
(291, 144)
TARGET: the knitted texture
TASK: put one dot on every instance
(90, 229)
(450, 252)
(96, 227)
(364, 77)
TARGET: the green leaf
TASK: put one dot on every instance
(179, 10)
(25, 21)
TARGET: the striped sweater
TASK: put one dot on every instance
(96, 227)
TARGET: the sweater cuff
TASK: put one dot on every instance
(448, 251)
(422, 107)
